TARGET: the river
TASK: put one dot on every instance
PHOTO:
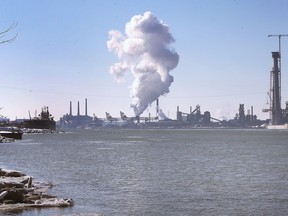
(157, 172)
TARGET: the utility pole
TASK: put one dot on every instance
(279, 50)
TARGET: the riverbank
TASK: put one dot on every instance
(6, 140)
(19, 191)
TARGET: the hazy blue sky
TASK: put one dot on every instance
(60, 55)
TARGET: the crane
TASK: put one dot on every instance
(279, 38)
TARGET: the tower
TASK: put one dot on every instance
(276, 117)
(241, 113)
(86, 107)
(78, 110)
(157, 107)
(70, 108)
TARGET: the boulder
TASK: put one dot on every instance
(2, 172)
(18, 192)
(15, 195)
(13, 185)
(14, 174)
(32, 197)
(2, 185)
(3, 195)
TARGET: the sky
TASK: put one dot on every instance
(61, 55)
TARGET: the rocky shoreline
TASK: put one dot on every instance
(18, 191)
(6, 140)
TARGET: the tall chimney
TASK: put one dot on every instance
(157, 106)
(85, 106)
(276, 106)
(178, 114)
(70, 108)
(78, 111)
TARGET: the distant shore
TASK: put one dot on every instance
(19, 191)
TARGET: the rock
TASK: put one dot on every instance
(14, 174)
(64, 202)
(48, 196)
(13, 185)
(38, 202)
(18, 193)
(29, 183)
(2, 172)
(32, 197)
(8, 202)
(6, 140)
(3, 195)
(25, 181)
(2, 185)
(15, 195)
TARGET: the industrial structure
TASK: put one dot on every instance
(192, 119)
(195, 118)
(278, 116)
(75, 121)
(241, 120)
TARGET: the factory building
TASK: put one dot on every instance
(246, 120)
(76, 121)
(196, 119)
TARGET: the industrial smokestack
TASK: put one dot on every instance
(85, 106)
(78, 110)
(276, 106)
(179, 114)
(157, 107)
(70, 108)
(252, 115)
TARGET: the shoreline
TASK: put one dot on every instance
(6, 140)
(19, 191)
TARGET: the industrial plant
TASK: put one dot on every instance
(192, 119)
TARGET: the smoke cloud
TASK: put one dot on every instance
(162, 115)
(144, 51)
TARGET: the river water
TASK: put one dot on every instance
(158, 172)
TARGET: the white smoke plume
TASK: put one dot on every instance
(162, 115)
(144, 51)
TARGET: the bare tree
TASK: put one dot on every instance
(4, 33)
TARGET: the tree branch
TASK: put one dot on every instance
(3, 34)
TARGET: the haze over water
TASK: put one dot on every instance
(158, 172)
